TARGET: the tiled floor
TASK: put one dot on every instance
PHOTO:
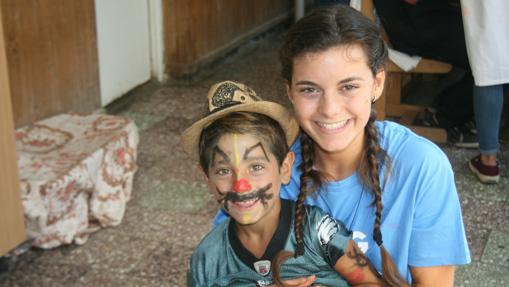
(170, 209)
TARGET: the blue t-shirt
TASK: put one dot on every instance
(421, 219)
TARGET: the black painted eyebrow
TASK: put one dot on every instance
(259, 144)
(217, 150)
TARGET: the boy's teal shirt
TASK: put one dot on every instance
(216, 261)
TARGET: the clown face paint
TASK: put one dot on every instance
(245, 179)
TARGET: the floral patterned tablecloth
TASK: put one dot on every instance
(76, 174)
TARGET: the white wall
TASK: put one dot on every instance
(157, 39)
(123, 40)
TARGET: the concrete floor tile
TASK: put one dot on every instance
(468, 185)
(163, 155)
(177, 196)
(39, 273)
(135, 98)
(164, 168)
(153, 143)
(112, 279)
(142, 184)
(143, 121)
(476, 238)
(162, 226)
(497, 249)
(171, 128)
(178, 167)
(479, 274)
(459, 157)
(109, 249)
(171, 258)
(504, 161)
(486, 214)
(166, 263)
(146, 224)
(154, 147)
(188, 105)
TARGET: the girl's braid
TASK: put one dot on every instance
(372, 154)
(309, 182)
(374, 157)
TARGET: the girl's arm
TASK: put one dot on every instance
(433, 276)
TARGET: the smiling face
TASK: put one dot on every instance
(245, 178)
(331, 92)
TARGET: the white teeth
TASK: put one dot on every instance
(246, 202)
(333, 126)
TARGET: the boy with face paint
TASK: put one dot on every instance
(242, 145)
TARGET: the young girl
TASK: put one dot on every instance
(395, 190)
(242, 147)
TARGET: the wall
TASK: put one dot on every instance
(123, 46)
(52, 57)
(12, 228)
(196, 31)
(60, 59)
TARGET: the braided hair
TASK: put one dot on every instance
(373, 158)
(320, 30)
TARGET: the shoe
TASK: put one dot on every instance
(470, 125)
(429, 118)
(485, 173)
(462, 137)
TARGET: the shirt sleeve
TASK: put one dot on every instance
(190, 279)
(438, 234)
(331, 235)
(195, 268)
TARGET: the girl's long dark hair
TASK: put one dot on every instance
(322, 29)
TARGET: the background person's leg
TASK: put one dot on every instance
(488, 106)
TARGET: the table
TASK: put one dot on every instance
(76, 174)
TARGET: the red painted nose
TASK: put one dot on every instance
(241, 185)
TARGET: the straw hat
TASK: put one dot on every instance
(228, 97)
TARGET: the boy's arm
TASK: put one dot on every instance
(190, 279)
(355, 268)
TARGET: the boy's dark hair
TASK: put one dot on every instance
(261, 126)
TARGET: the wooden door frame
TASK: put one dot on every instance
(12, 226)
